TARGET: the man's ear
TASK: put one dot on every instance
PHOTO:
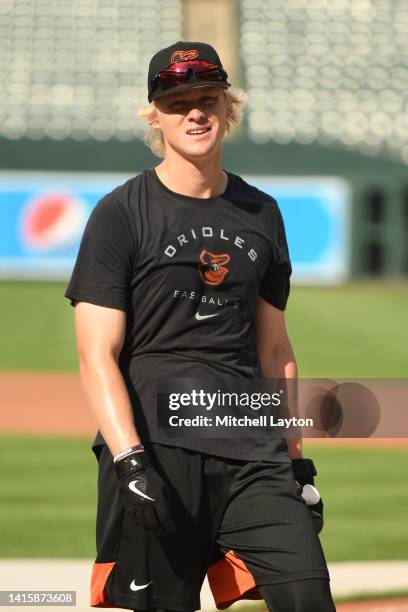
(154, 120)
(229, 116)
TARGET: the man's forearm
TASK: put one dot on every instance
(282, 364)
(107, 393)
(295, 449)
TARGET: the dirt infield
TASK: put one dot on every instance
(378, 605)
(44, 403)
(374, 605)
(75, 575)
(41, 403)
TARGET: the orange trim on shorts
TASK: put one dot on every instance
(230, 580)
(100, 575)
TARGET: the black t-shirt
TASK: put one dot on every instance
(188, 272)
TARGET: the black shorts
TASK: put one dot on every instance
(243, 522)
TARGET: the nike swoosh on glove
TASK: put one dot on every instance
(144, 493)
(304, 472)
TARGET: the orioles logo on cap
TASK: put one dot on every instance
(212, 268)
(183, 56)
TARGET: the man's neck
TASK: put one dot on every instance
(205, 179)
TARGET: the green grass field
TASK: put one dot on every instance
(49, 493)
(48, 497)
(352, 331)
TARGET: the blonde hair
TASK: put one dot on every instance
(236, 99)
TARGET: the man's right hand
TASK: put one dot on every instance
(144, 493)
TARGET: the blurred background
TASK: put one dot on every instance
(325, 131)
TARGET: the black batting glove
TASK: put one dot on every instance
(304, 472)
(144, 493)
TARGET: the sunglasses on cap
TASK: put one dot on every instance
(181, 73)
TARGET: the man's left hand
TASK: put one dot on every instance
(304, 472)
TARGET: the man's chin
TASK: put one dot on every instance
(199, 150)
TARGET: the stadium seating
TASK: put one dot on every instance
(328, 71)
(77, 68)
(332, 71)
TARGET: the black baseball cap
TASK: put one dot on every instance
(182, 52)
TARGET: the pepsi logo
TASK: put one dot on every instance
(52, 222)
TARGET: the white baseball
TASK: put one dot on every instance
(310, 494)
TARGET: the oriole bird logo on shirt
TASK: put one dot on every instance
(212, 267)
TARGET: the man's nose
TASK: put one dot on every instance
(195, 113)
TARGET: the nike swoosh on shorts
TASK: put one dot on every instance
(138, 587)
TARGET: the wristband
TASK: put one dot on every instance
(137, 448)
(130, 464)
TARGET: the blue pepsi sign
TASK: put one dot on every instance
(316, 212)
(42, 218)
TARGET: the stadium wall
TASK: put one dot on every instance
(379, 234)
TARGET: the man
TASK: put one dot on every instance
(175, 268)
